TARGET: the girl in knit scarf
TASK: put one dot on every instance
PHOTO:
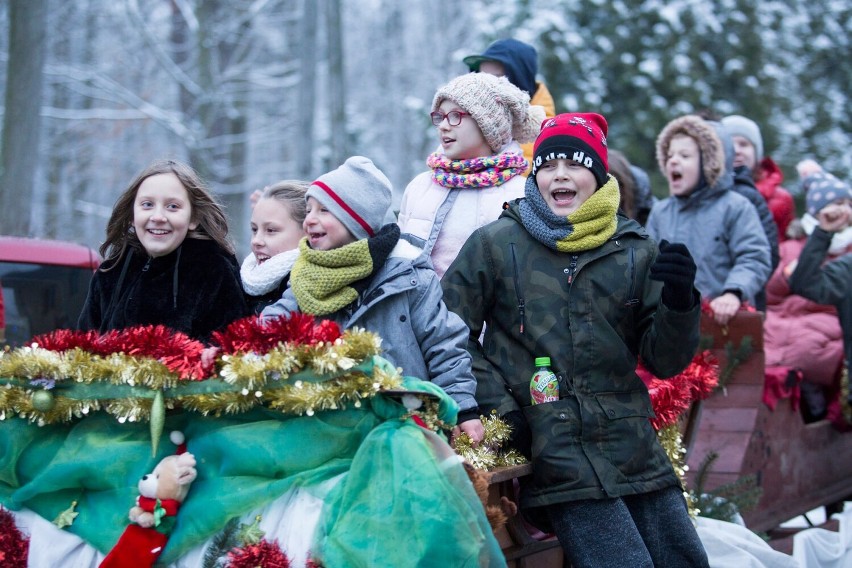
(355, 270)
(276, 228)
(478, 167)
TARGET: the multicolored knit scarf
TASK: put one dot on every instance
(590, 226)
(477, 172)
(325, 281)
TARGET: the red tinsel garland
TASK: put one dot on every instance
(671, 397)
(250, 335)
(65, 339)
(182, 354)
(176, 350)
(263, 554)
(14, 546)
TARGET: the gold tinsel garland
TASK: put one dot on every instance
(428, 412)
(48, 387)
(672, 442)
(490, 453)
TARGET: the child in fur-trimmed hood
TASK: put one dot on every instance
(719, 227)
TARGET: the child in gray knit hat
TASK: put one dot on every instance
(356, 271)
(750, 160)
(480, 120)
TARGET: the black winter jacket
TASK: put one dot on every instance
(826, 283)
(195, 289)
(594, 313)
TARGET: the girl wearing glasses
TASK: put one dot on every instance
(478, 167)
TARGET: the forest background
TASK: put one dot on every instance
(253, 91)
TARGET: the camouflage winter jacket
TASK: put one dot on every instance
(593, 313)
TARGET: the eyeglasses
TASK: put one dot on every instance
(453, 117)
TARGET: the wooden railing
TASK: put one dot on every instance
(519, 547)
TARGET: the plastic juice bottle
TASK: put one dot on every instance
(543, 385)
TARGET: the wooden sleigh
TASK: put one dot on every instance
(797, 467)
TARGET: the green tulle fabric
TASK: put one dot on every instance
(401, 495)
(400, 506)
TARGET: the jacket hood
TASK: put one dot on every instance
(727, 144)
(409, 251)
(770, 177)
(711, 147)
(520, 61)
(402, 258)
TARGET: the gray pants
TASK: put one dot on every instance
(647, 530)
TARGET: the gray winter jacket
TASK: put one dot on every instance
(403, 305)
(744, 185)
(722, 232)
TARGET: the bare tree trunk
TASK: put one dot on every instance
(221, 117)
(307, 90)
(393, 81)
(180, 51)
(22, 121)
(337, 85)
(67, 165)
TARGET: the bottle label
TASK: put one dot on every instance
(544, 387)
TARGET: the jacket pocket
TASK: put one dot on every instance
(521, 390)
(556, 452)
(627, 438)
(630, 404)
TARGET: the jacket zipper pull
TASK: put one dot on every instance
(521, 309)
(147, 265)
(571, 268)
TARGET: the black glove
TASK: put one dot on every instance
(675, 268)
(521, 437)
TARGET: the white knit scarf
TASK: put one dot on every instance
(258, 279)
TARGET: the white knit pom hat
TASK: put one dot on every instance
(501, 110)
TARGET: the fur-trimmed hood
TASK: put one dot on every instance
(709, 144)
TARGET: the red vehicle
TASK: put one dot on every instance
(44, 286)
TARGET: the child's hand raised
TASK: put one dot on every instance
(675, 268)
(835, 217)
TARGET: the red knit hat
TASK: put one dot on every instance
(577, 136)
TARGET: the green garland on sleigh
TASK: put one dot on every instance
(296, 366)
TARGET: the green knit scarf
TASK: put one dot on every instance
(590, 226)
(325, 281)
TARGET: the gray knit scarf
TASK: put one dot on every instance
(591, 225)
